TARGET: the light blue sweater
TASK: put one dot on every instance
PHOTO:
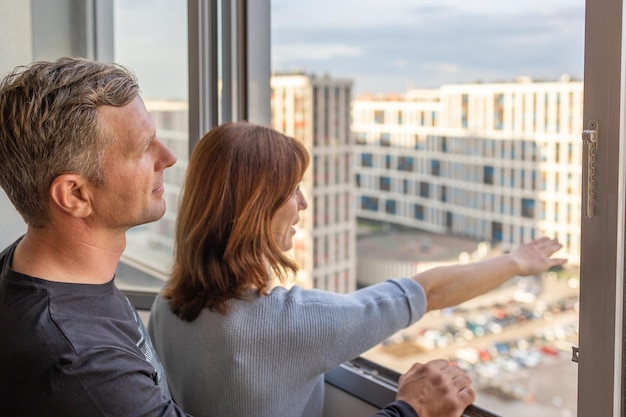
(266, 357)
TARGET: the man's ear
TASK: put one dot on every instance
(70, 193)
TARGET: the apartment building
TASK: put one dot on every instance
(316, 110)
(497, 162)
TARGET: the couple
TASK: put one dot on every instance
(81, 162)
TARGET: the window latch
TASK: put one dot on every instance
(575, 354)
(590, 144)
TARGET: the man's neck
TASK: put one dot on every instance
(68, 257)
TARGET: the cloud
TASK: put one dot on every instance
(436, 44)
(314, 51)
(382, 46)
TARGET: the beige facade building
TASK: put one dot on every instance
(495, 162)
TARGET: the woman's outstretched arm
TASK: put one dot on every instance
(451, 285)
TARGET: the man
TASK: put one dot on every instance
(80, 160)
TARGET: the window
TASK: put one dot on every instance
(435, 166)
(528, 208)
(418, 211)
(369, 203)
(498, 111)
(385, 139)
(143, 45)
(388, 161)
(385, 184)
(596, 384)
(390, 206)
(367, 160)
(496, 231)
(379, 116)
(405, 186)
(424, 189)
(481, 146)
(405, 163)
(488, 175)
(152, 39)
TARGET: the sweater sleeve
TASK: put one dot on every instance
(396, 409)
(335, 327)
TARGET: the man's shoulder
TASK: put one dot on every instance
(62, 319)
(66, 340)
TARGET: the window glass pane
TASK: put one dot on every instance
(151, 39)
(12, 225)
(490, 96)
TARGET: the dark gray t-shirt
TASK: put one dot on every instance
(75, 350)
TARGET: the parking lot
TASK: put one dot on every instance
(515, 342)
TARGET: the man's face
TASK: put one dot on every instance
(133, 166)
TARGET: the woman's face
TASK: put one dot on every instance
(286, 217)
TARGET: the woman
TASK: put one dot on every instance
(231, 344)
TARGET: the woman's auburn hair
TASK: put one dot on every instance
(239, 175)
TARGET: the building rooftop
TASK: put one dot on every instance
(414, 246)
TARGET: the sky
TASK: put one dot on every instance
(383, 46)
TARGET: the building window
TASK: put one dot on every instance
(498, 112)
(424, 189)
(405, 163)
(388, 160)
(385, 139)
(369, 203)
(367, 160)
(385, 184)
(528, 208)
(390, 207)
(418, 142)
(496, 231)
(379, 116)
(418, 211)
(464, 110)
(488, 175)
(434, 167)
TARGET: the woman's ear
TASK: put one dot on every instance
(70, 194)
